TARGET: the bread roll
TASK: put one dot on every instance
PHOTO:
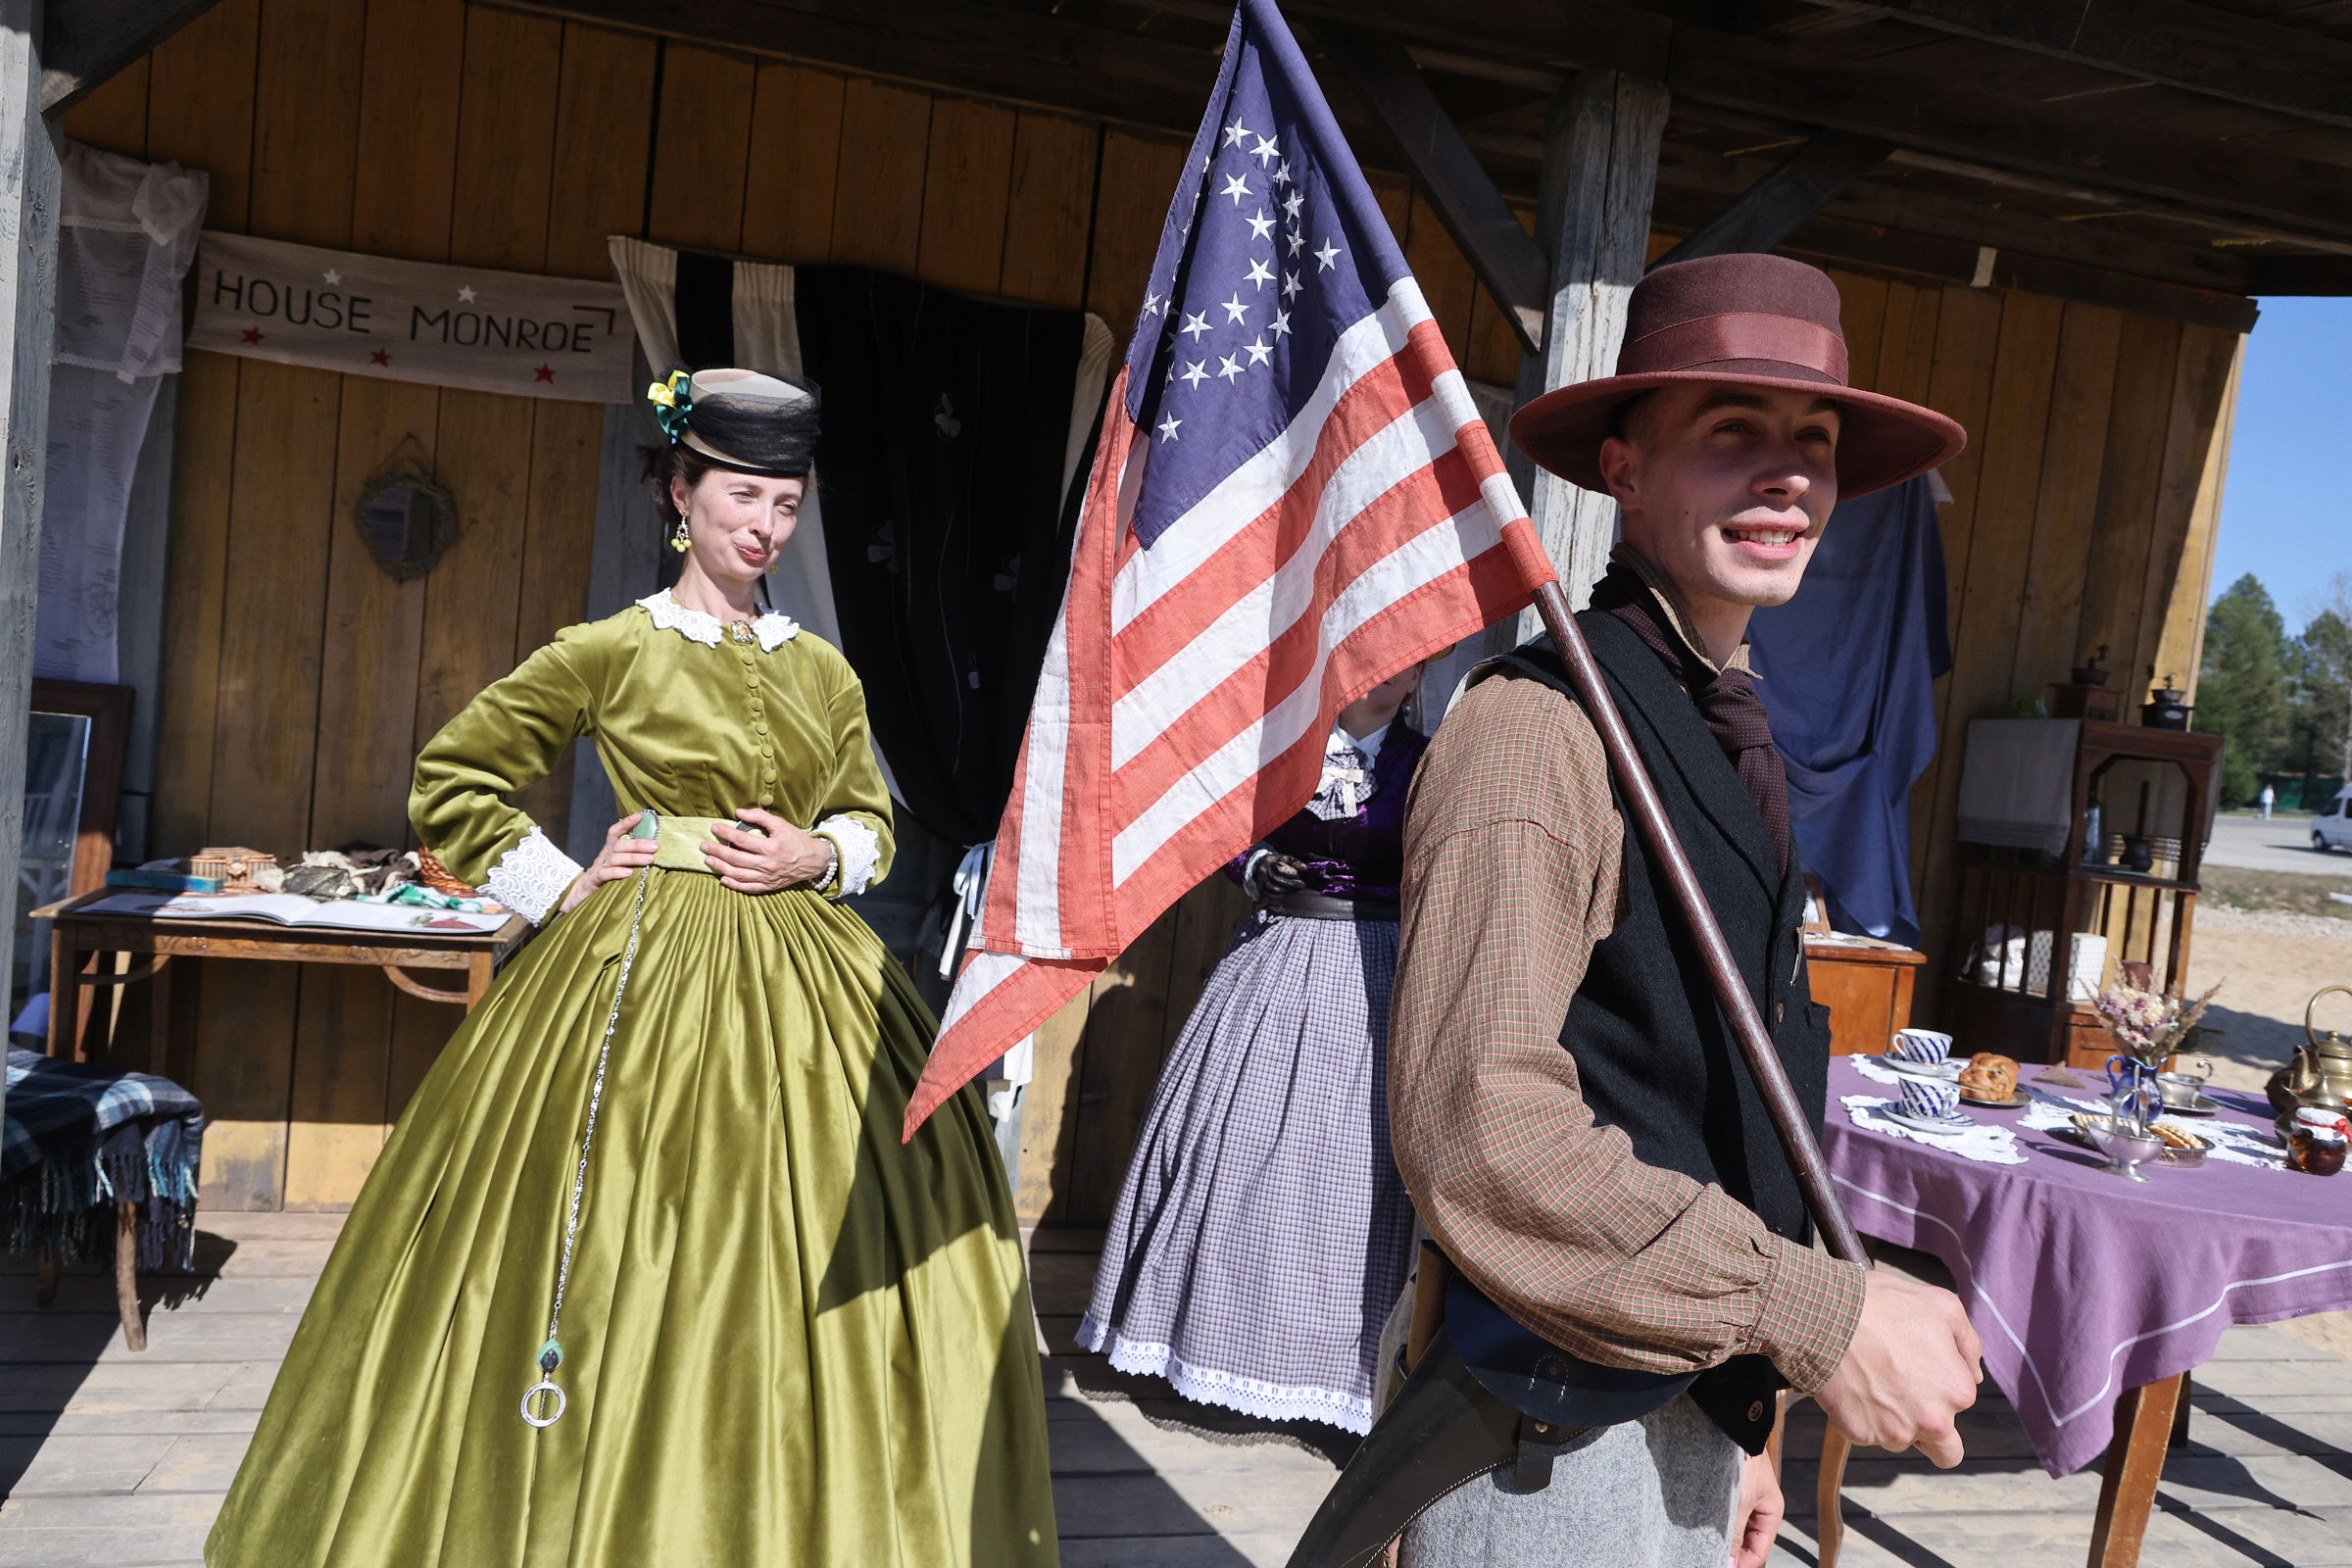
(1990, 1076)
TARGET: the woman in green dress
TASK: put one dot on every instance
(759, 1329)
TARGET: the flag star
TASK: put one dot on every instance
(1228, 367)
(1151, 303)
(1258, 352)
(1194, 324)
(1167, 428)
(1235, 310)
(1289, 286)
(333, 278)
(1292, 204)
(1280, 326)
(1265, 152)
(1194, 373)
(1236, 131)
(1258, 274)
(1260, 226)
(1298, 241)
(1170, 378)
(1329, 254)
(1237, 186)
(465, 295)
(1282, 173)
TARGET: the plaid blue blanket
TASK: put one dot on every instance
(77, 1138)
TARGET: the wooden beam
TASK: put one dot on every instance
(2068, 143)
(87, 41)
(1600, 169)
(1770, 209)
(2198, 48)
(2299, 275)
(29, 190)
(1448, 174)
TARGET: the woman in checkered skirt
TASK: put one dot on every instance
(1261, 1236)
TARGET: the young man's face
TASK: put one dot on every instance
(1726, 488)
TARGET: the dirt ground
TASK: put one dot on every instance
(2255, 1023)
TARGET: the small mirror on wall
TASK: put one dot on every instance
(407, 517)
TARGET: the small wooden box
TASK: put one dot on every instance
(2103, 703)
(234, 867)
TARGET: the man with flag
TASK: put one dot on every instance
(1635, 1281)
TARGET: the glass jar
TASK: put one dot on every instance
(2316, 1143)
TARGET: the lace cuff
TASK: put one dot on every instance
(531, 877)
(860, 850)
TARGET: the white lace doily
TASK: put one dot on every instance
(860, 848)
(772, 629)
(1987, 1142)
(2224, 1141)
(531, 877)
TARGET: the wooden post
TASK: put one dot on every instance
(126, 1274)
(29, 189)
(1600, 167)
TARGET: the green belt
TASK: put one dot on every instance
(681, 839)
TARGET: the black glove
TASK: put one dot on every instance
(1276, 873)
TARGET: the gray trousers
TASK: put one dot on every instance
(1657, 1493)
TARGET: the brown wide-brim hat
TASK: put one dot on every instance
(1747, 321)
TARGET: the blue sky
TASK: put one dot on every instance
(2284, 515)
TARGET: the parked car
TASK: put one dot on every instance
(2333, 827)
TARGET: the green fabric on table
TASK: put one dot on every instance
(788, 1338)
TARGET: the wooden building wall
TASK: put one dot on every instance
(300, 679)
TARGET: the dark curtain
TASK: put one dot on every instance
(946, 422)
(1847, 669)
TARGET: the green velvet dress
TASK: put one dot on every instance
(788, 1339)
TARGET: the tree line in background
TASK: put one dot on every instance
(2285, 701)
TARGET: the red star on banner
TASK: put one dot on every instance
(253, 334)
(381, 356)
(547, 374)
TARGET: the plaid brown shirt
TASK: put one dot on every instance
(1515, 856)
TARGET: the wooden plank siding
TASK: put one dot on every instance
(299, 679)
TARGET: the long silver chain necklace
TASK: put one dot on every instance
(551, 1355)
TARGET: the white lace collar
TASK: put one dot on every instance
(772, 629)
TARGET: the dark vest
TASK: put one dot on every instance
(1654, 1052)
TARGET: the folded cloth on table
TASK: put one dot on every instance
(2016, 786)
(78, 1137)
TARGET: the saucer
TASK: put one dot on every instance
(1951, 1124)
(2205, 1105)
(2016, 1101)
(1947, 1069)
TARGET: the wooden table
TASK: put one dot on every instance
(82, 936)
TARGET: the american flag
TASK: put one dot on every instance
(1292, 499)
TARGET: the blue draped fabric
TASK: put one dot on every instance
(1848, 670)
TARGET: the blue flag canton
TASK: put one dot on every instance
(1262, 264)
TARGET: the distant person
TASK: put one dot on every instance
(2270, 797)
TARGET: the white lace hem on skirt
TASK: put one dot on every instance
(1205, 1384)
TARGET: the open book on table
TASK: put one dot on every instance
(292, 909)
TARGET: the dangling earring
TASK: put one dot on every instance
(678, 540)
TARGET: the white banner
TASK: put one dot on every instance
(463, 327)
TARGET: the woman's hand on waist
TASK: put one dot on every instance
(777, 857)
(621, 857)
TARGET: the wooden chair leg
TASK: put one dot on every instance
(126, 1274)
(44, 1279)
(2143, 1428)
(1829, 1518)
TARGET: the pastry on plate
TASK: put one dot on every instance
(1990, 1076)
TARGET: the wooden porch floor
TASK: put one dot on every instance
(110, 1459)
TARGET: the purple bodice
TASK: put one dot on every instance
(1360, 857)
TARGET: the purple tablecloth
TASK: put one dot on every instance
(2083, 1285)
